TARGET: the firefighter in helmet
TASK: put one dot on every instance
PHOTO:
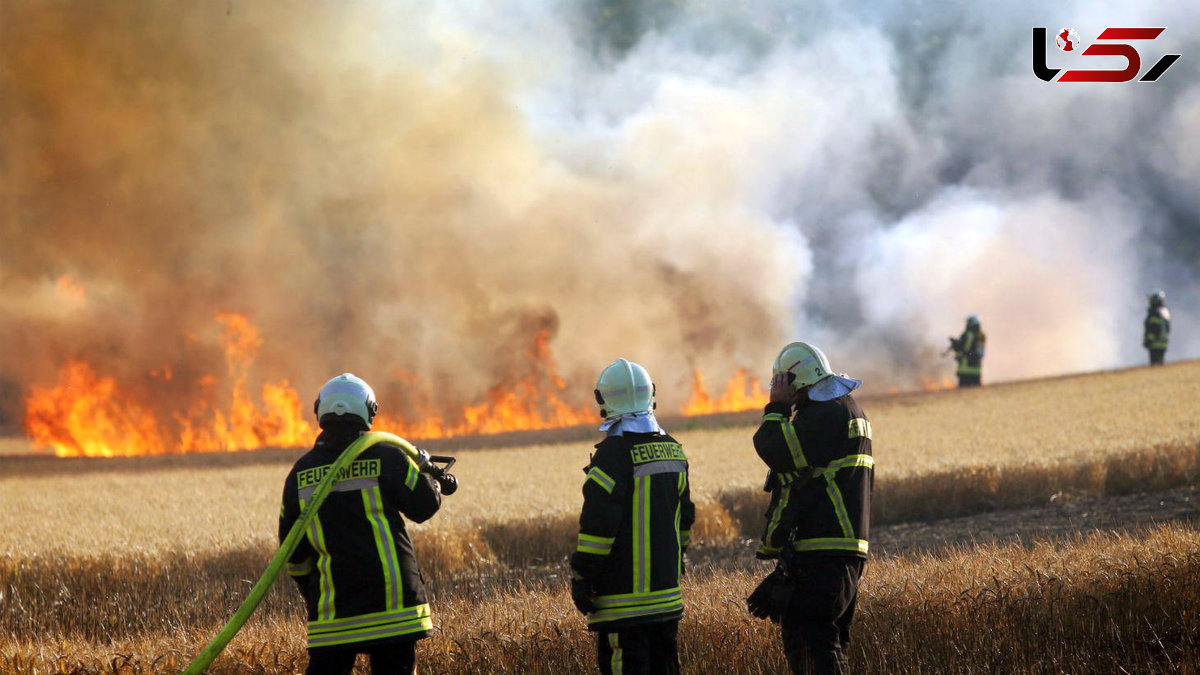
(1156, 329)
(633, 530)
(968, 351)
(816, 443)
(355, 567)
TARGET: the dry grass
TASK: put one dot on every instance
(1106, 603)
(138, 562)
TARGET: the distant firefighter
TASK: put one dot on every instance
(1157, 327)
(635, 526)
(968, 351)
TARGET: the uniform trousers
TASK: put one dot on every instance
(646, 649)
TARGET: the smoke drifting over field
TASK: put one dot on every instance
(417, 192)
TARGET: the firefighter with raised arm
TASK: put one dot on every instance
(633, 530)
(816, 443)
(968, 352)
(356, 567)
(1156, 329)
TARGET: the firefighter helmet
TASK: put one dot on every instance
(624, 388)
(973, 320)
(1157, 297)
(810, 367)
(346, 394)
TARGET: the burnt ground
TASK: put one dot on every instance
(1064, 516)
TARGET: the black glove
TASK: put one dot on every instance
(582, 594)
(770, 599)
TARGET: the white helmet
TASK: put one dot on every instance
(346, 394)
(810, 367)
(624, 388)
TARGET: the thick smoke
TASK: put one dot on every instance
(407, 190)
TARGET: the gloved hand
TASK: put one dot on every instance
(769, 600)
(582, 595)
(422, 459)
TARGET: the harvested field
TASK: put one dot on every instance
(131, 567)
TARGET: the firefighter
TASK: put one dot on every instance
(968, 351)
(356, 568)
(1157, 327)
(816, 443)
(633, 531)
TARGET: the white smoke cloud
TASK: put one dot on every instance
(402, 187)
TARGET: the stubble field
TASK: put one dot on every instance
(131, 566)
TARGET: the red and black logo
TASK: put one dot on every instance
(1113, 45)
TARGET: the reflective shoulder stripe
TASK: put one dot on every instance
(410, 479)
(831, 544)
(590, 543)
(602, 479)
(860, 427)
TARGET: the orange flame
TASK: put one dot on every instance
(532, 402)
(741, 393)
(85, 413)
(937, 384)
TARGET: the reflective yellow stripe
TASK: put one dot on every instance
(602, 479)
(831, 544)
(384, 546)
(629, 605)
(641, 534)
(860, 427)
(373, 619)
(839, 506)
(964, 369)
(592, 544)
(316, 536)
(773, 523)
(617, 654)
(410, 479)
(307, 566)
(685, 537)
(793, 443)
(845, 463)
(361, 629)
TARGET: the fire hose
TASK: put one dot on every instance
(292, 540)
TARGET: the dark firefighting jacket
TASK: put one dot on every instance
(822, 474)
(635, 525)
(970, 346)
(1157, 328)
(355, 565)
